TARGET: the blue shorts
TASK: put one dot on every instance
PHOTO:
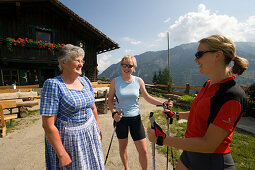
(208, 161)
(134, 124)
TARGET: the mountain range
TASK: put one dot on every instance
(183, 69)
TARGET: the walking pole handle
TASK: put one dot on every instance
(164, 105)
(119, 113)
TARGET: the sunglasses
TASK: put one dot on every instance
(199, 54)
(127, 65)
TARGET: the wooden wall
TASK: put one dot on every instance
(20, 20)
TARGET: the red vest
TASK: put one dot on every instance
(222, 104)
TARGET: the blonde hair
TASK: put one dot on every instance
(129, 57)
(227, 46)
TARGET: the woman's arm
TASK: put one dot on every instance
(94, 109)
(146, 96)
(183, 115)
(207, 144)
(111, 96)
(52, 134)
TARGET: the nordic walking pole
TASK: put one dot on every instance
(152, 120)
(168, 133)
(172, 155)
(165, 106)
(111, 140)
(170, 121)
(167, 148)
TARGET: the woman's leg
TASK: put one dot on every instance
(181, 166)
(143, 154)
(123, 148)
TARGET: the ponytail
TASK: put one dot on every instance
(240, 65)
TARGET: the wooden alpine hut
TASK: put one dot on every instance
(32, 32)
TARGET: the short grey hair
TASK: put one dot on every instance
(68, 53)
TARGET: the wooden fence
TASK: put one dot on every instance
(156, 87)
(12, 89)
(170, 89)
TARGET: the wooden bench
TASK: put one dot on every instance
(20, 87)
(18, 95)
(3, 117)
(101, 99)
(21, 105)
(15, 90)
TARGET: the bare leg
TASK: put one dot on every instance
(181, 166)
(123, 143)
(143, 154)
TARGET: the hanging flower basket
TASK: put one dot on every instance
(11, 42)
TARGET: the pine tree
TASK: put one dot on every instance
(155, 78)
(166, 77)
(159, 79)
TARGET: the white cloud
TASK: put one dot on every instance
(193, 26)
(131, 40)
(167, 20)
(162, 35)
(128, 51)
(135, 42)
(127, 39)
(105, 61)
(152, 45)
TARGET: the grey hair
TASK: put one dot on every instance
(69, 52)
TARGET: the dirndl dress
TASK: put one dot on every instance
(76, 124)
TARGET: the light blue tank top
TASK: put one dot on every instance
(127, 94)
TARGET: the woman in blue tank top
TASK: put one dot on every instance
(126, 90)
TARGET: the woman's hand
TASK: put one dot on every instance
(151, 135)
(117, 117)
(168, 113)
(168, 104)
(64, 160)
(101, 136)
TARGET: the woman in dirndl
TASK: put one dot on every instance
(69, 116)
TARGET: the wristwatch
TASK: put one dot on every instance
(177, 115)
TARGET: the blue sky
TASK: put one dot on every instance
(142, 25)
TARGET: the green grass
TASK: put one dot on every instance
(242, 146)
(176, 129)
(33, 112)
(18, 121)
(243, 149)
(188, 98)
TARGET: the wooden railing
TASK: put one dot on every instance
(169, 89)
(20, 87)
(96, 85)
(12, 89)
(187, 88)
(155, 87)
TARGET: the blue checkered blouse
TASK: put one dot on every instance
(67, 104)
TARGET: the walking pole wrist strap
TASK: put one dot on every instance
(160, 134)
(170, 114)
(113, 113)
(177, 115)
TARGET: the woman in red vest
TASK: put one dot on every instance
(216, 110)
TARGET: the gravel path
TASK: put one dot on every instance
(24, 148)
